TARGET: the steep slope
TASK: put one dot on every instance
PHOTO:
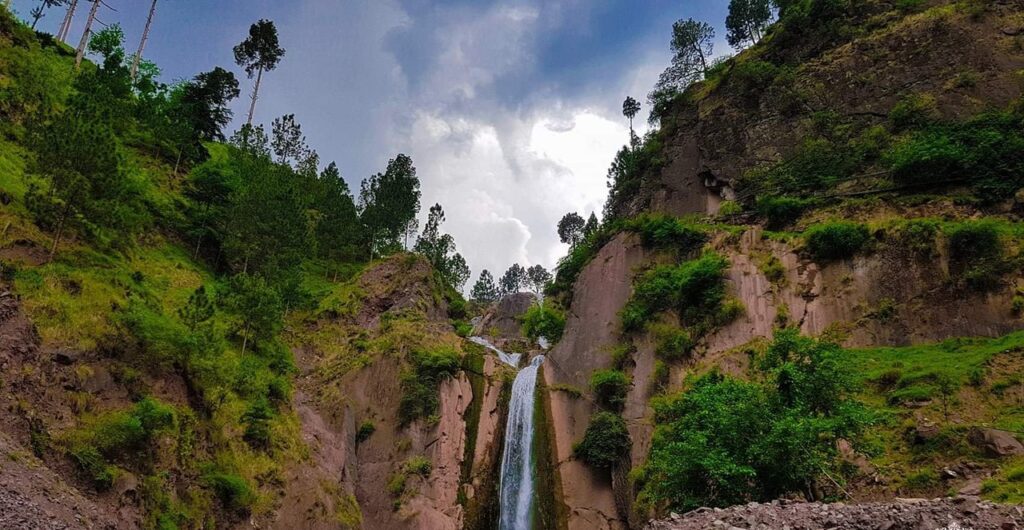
(726, 142)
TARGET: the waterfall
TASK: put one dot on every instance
(517, 480)
(511, 359)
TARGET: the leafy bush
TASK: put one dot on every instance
(751, 77)
(976, 253)
(366, 430)
(610, 388)
(695, 289)
(917, 236)
(916, 110)
(782, 211)
(727, 441)
(987, 151)
(544, 321)
(674, 344)
(421, 382)
(836, 240)
(665, 232)
(605, 443)
(817, 165)
(419, 465)
(233, 491)
(729, 208)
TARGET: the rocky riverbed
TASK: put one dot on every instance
(960, 513)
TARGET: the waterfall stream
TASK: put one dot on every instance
(517, 477)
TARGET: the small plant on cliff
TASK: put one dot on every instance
(544, 321)
(665, 232)
(976, 252)
(836, 240)
(695, 289)
(610, 388)
(605, 443)
(421, 382)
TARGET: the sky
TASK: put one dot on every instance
(510, 109)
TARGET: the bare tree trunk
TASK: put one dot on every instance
(255, 94)
(245, 338)
(85, 34)
(142, 43)
(65, 26)
(60, 232)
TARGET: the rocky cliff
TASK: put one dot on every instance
(711, 147)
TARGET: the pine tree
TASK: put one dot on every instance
(538, 278)
(513, 280)
(592, 226)
(484, 291)
(259, 52)
(387, 203)
(747, 21)
(570, 229)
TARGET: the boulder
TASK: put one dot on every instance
(503, 320)
(995, 443)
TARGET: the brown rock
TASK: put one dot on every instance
(995, 442)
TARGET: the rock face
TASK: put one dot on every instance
(917, 514)
(503, 320)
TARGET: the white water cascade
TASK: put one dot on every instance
(517, 477)
(511, 359)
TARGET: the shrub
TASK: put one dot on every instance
(462, 328)
(610, 388)
(665, 232)
(605, 443)
(816, 165)
(257, 424)
(674, 344)
(420, 383)
(418, 465)
(916, 110)
(726, 441)
(729, 208)
(917, 236)
(95, 467)
(836, 240)
(544, 321)
(751, 77)
(780, 212)
(233, 491)
(695, 289)
(976, 253)
(366, 429)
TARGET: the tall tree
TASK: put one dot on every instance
(570, 229)
(747, 21)
(203, 103)
(80, 52)
(630, 107)
(538, 278)
(439, 249)
(337, 231)
(40, 10)
(387, 202)
(287, 140)
(692, 47)
(513, 281)
(258, 53)
(484, 290)
(142, 42)
(65, 25)
(592, 226)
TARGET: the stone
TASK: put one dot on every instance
(995, 443)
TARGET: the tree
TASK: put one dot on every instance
(630, 107)
(484, 291)
(142, 42)
(337, 232)
(198, 310)
(38, 11)
(692, 47)
(439, 248)
(570, 229)
(258, 53)
(538, 278)
(258, 306)
(65, 25)
(513, 280)
(747, 21)
(80, 52)
(287, 140)
(204, 103)
(387, 202)
(592, 226)
(85, 185)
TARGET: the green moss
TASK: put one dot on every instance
(836, 240)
